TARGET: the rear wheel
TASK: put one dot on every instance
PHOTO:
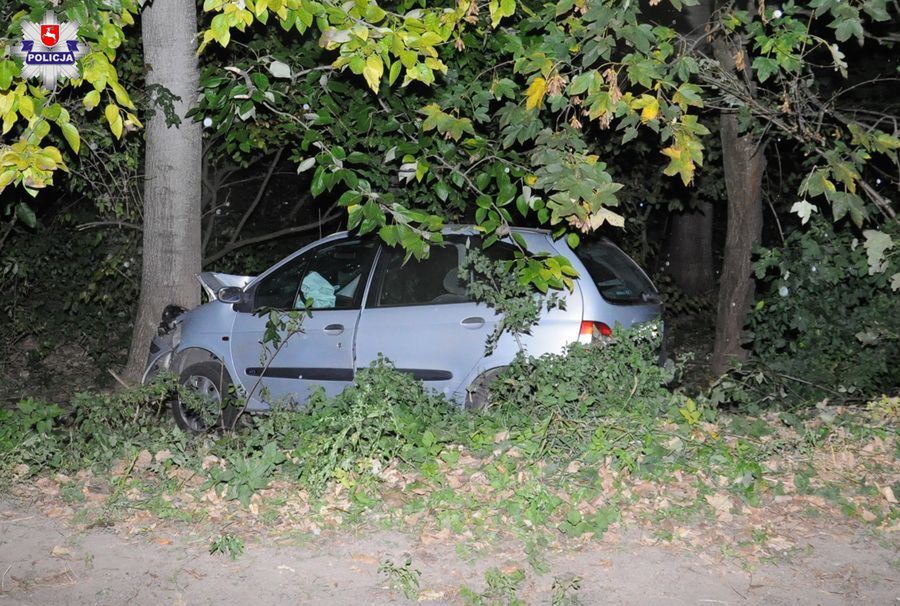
(203, 402)
(478, 395)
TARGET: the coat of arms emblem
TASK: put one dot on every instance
(49, 50)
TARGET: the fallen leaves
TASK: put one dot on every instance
(722, 504)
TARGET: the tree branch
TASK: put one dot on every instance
(259, 195)
(233, 246)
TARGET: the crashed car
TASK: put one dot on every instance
(367, 300)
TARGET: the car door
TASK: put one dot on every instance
(420, 317)
(331, 279)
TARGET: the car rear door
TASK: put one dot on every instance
(332, 278)
(419, 316)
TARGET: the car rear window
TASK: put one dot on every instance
(617, 277)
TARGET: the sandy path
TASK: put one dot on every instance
(46, 562)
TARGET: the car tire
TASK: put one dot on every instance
(478, 395)
(212, 383)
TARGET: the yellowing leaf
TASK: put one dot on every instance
(534, 96)
(649, 106)
(71, 135)
(115, 119)
(6, 178)
(373, 71)
(26, 107)
(614, 219)
(680, 163)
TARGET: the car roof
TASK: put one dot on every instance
(463, 228)
(450, 229)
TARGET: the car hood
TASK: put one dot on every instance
(212, 282)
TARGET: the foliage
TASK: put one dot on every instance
(246, 474)
(513, 130)
(403, 577)
(227, 544)
(826, 316)
(384, 414)
(675, 301)
(37, 123)
(26, 435)
(593, 400)
(502, 472)
(502, 589)
(94, 428)
(69, 288)
(491, 282)
(565, 591)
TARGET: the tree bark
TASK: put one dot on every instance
(690, 251)
(172, 166)
(744, 160)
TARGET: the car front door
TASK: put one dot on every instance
(420, 317)
(329, 281)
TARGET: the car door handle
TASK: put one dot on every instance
(333, 329)
(473, 322)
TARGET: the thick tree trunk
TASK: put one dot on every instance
(690, 253)
(745, 161)
(172, 241)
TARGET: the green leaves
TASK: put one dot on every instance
(447, 125)
(367, 38)
(71, 135)
(26, 215)
(500, 9)
(877, 244)
(8, 70)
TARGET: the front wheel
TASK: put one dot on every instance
(202, 402)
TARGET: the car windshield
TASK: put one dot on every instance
(617, 277)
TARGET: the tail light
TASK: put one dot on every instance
(591, 330)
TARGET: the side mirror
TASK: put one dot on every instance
(230, 294)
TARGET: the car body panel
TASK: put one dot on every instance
(314, 356)
(439, 344)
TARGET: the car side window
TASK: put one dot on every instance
(279, 289)
(331, 277)
(431, 281)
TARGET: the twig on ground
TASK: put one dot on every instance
(118, 378)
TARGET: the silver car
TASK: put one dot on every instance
(367, 302)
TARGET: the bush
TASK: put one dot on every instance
(93, 428)
(383, 415)
(590, 397)
(823, 319)
(27, 435)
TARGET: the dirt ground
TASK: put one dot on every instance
(45, 561)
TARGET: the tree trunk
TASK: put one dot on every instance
(172, 165)
(690, 253)
(745, 161)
